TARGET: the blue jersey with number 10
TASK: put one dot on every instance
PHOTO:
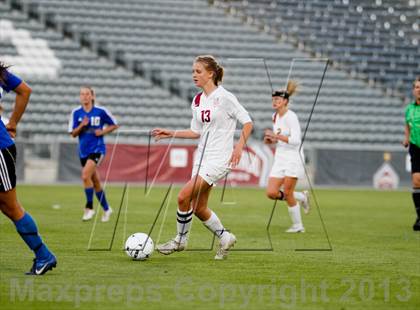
(10, 82)
(88, 141)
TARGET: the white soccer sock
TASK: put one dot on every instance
(299, 196)
(183, 224)
(215, 225)
(294, 213)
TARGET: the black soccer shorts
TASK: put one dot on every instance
(8, 168)
(96, 157)
(414, 151)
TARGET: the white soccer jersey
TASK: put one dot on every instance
(287, 125)
(287, 160)
(214, 118)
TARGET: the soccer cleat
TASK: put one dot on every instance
(305, 203)
(170, 247)
(296, 229)
(89, 213)
(416, 226)
(40, 267)
(227, 241)
(106, 215)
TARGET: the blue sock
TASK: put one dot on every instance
(89, 197)
(102, 199)
(26, 227)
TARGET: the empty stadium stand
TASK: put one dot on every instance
(136, 102)
(138, 54)
(379, 40)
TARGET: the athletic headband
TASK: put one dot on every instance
(283, 94)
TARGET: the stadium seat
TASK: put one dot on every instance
(160, 41)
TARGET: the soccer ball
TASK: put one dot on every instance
(139, 246)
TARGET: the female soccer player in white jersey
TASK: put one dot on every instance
(87, 122)
(288, 165)
(9, 205)
(215, 112)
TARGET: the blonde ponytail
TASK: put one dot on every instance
(290, 90)
(292, 87)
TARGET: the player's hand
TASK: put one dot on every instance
(160, 133)
(99, 132)
(405, 143)
(11, 128)
(269, 137)
(236, 156)
(267, 140)
(85, 121)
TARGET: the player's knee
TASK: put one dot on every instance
(272, 194)
(85, 177)
(182, 199)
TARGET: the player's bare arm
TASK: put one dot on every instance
(161, 133)
(237, 151)
(406, 136)
(282, 138)
(106, 130)
(23, 92)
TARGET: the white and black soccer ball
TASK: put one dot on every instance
(139, 246)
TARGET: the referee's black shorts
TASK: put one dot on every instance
(414, 151)
(8, 168)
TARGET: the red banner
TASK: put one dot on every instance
(167, 164)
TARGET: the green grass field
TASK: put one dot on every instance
(374, 262)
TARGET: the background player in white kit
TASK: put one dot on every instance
(288, 165)
(215, 114)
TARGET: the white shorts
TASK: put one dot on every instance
(287, 166)
(210, 174)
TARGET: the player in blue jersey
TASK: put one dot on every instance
(90, 123)
(9, 205)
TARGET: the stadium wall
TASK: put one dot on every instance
(167, 164)
(164, 163)
(358, 167)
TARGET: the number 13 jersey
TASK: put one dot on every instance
(214, 118)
